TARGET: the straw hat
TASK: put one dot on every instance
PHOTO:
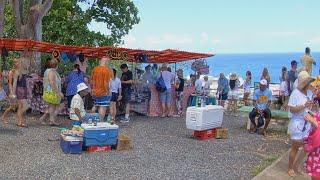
(316, 81)
(233, 76)
(304, 79)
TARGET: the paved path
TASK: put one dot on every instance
(278, 171)
(163, 149)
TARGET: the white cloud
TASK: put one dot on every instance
(204, 37)
(170, 39)
(216, 41)
(315, 40)
(280, 34)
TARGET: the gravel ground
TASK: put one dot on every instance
(163, 149)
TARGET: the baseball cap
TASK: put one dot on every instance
(264, 82)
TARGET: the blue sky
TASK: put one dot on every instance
(225, 26)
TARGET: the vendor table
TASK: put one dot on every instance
(193, 99)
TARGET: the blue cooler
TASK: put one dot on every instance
(71, 145)
(102, 134)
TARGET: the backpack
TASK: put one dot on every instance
(160, 85)
(38, 88)
(260, 121)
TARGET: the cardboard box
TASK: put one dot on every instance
(124, 143)
(204, 135)
(221, 133)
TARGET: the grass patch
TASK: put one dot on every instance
(267, 161)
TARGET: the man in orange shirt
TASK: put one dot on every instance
(100, 78)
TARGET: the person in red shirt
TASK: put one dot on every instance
(100, 78)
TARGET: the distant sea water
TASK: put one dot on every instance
(240, 63)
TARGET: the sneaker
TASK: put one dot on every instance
(125, 120)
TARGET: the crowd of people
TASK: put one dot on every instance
(299, 94)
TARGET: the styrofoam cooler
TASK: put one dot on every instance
(102, 134)
(203, 118)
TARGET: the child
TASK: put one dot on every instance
(312, 164)
(233, 95)
(246, 88)
(77, 111)
(284, 89)
(115, 89)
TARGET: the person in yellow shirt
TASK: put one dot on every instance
(307, 61)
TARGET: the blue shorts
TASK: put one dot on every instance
(75, 123)
(102, 100)
(114, 97)
(126, 97)
(166, 96)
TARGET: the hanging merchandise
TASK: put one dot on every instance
(4, 52)
(200, 66)
(64, 57)
(55, 54)
(72, 56)
(81, 57)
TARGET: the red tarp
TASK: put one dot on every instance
(168, 56)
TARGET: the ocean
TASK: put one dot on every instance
(240, 63)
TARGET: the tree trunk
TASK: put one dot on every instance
(2, 6)
(30, 27)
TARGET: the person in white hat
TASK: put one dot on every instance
(261, 101)
(300, 101)
(77, 110)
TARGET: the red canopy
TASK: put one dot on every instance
(168, 56)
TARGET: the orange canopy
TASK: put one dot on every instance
(165, 56)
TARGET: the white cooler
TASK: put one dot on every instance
(203, 118)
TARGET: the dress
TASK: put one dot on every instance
(312, 164)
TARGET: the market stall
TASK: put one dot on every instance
(138, 103)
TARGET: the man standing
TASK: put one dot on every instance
(223, 89)
(292, 74)
(261, 101)
(126, 82)
(100, 78)
(307, 61)
(148, 80)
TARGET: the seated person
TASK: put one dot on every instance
(77, 111)
(261, 101)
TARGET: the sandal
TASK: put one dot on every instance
(253, 130)
(54, 124)
(264, 133)
(291, 173)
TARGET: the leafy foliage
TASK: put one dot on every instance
(67, 23)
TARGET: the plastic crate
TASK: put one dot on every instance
(204, 135)
(91, 149)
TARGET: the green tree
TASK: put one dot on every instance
(64, 22)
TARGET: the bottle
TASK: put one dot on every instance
(203, 101)
(199, 102)
(90, 120)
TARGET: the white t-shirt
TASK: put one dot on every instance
(284, 88)
(115, 85)
(297, 121)
(198, 85)
(77, 102)
(167, 78)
